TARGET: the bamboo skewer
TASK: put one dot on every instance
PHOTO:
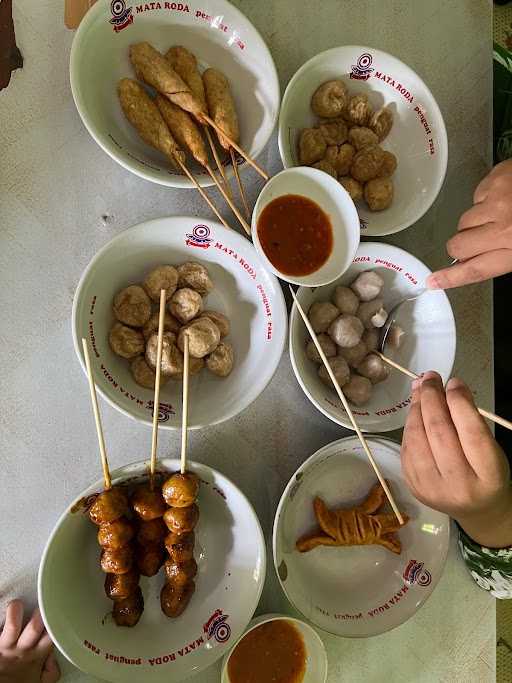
(156, 400)
(229, 201)
(241, 188)
(220, 165)
(344, 401)
(184, 415)
(97, 419)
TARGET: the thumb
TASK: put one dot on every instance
(51, 670)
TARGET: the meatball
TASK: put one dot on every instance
(203, 337)
(340, 369)
(220, 320)
(389, 165)
(367, 163)
(358, 390)
(381, 122)
(358, 110)
(328, 347)
(330, 99)
(125, 341)
(368, 285)
(378, 193)
(346, 331)
(312, 146)
(163, 277)
(345, 300)
(118, 561)
(172, 358)
(121, 586)
(341, 158)
(132, 306)
(180, 490)
(334, 132)
(185, 304)
(151, 327)
(326, 167)
(374, 368)
(150, 558)
(145, 375)
(220, 361)
(355, 354)
(321, 315)
(361, 137)
(174, 599)
(128, 611)
(115, 534)
(109, 506)
(367, 310)
(182, 520)
(193, 275)
(153, 531)
(148, 504)
(180, 547)
(353, 187)
(395, 337)
(371, 338)
(180, 573)
(195, 365)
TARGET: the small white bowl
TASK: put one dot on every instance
(316, 656)
(336, 203)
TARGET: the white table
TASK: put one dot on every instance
(62, 198)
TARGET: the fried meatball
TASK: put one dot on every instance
(180, 490)
(312, 146)
(326, 167)
(358, 110)
(221, 361)
(361, 137)
(203, 337)
(162, 277)
(220, 320)
(143, 374)
(172, 358)
(125, 341)
(118, 561)
(185, 304)
(341, 158)
(330, 99)
(148, 504)
(355, 354)
(128, 611)
(358, 390)
(195, 365)
(367, 285)
(346, 331)
(182, 520)
(109, 506)
(368, 310)
(180, 573)
(367, 163)
(389, 165)
(345, 300)
(174, 599)
(374, 368)
(381, 122)
(340, 369)
(321, 314)
(151, 327)
(150, 558)
(371, 338)
(378, 193)
(180, 546)
(115, 534)
(334, 132)
(328, 347)
(153, 531)
(353, 187)
(193, 275)
(121, 586)
(132, 306)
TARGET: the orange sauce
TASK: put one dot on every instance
(271, 653)
(295, 234)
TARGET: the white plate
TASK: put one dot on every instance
(216, 32)
(250, 297)
(230, 552)
(418, 137)
(356, 591)
(429, 343)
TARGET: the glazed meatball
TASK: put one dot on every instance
(128, 611)
(334, 132)
(145, 375)
(358, 390)
(312, 146)
(125, 341)
(374, 368)
(148, 504)
(193, 275)
(326, 167)
(367, 163)
(361, 137)
(368, 285)
(132, 306)
(150, 558)
(321, 315)
(395, 336)
(151, 327)
(353, 187)
(185, 304)
(121, 586)
(203, 337)
(115, 534)
(180, 573)
(330, 99)
(367, 310)
(163, 277)
(389, 164)
(109, 506)
(345, 300)
(341, 158)
(340, 369)
(381, 122)
(118, 561)
(358, 110)
(220, 320)
(328, 347)
(371, 338)
(174, 599)
(221, 361)
(181, 520)
(180, 490)
(378, 193)
(153, 531)
(355, 354)
(172, 358)
(346, 331)
(180, 547)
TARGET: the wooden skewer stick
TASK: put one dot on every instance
(344, 401)
(241, 188)
(156, 401)
(249, 159)
(97, 418)
(219, 163)
(184, 410)
(229, 201)
(484, 413)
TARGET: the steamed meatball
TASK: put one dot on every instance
(341, 158)
(361, 137)
(321, 314)
(143, 374)
(180, 490)
(128, 611)
(180, 573)
(182, 520)
(203, 337)
(389, 164)
(378, 193)
(346, 331)
(150, 558)
(371, 338)
(120, 586)
(172, 358)
(193, 275)
(358, 110)
(353, 187)
(374, 368)
(358, 390)
(220, 320)
(153, 531)
(151, 327)
(355, 354)
(312, 146)
(367, 163)
(115, 534)
(395, 337)
(185, 304)
(328, 347)
(118, 561)
(368, 310)
(367, 285)
(340, 369)
(326, 167)
(125, 341)
(174, 599)
(381, 122)
(132, 306)
(108, 506)
(163, 277)
(221, 361)
(148, 504)
(334, 132)
(345, 299)
(180, 546)
(330, 99)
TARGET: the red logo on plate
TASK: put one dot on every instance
(200, 237)
(217, 627)
(416, 573)
(363, 69)
(121, 15)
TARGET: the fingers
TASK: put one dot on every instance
(51, 670)
(482, 189)
(32, 631)
(13, 623)
(476, 269)
(468, 243)
(44, 646)
(476, 215)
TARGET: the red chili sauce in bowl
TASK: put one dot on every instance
(295, 235)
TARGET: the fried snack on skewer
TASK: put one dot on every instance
(221, 106)
(183, 128)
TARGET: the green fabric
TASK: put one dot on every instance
(502, 123)
(491, 568)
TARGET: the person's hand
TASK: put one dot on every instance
(483, 242)
(26, 653)
(452, 463)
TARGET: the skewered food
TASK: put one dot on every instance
(152, 531)
(170, 325)
(220, 320)
(195, 276)
(118, 561)
(180, 490)
(203, 336)
(115, 534)
(374, 368)
(183, 128)
(125, 341)
(121, 586)
(174, 598)
(127, 611)
(340, 369)
(109, 506)
(162, 277)
(220, 361)
(144, 374)
(147, 503)
(185, 304)
(180, 546)
(180, 573)
(172, 359)
(221, 106)
(185, 65)
(150, 558)
(181, 520)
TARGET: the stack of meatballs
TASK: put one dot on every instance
(346, 144)
(135, 334)
(348, 329)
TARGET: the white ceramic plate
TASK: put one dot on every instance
(250, 297)
(230, 552)
(356, 591)
(216, 32)
(418, 137)
(429, 343)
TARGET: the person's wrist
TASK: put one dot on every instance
(491, 528)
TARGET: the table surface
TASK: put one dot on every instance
(62, 198)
